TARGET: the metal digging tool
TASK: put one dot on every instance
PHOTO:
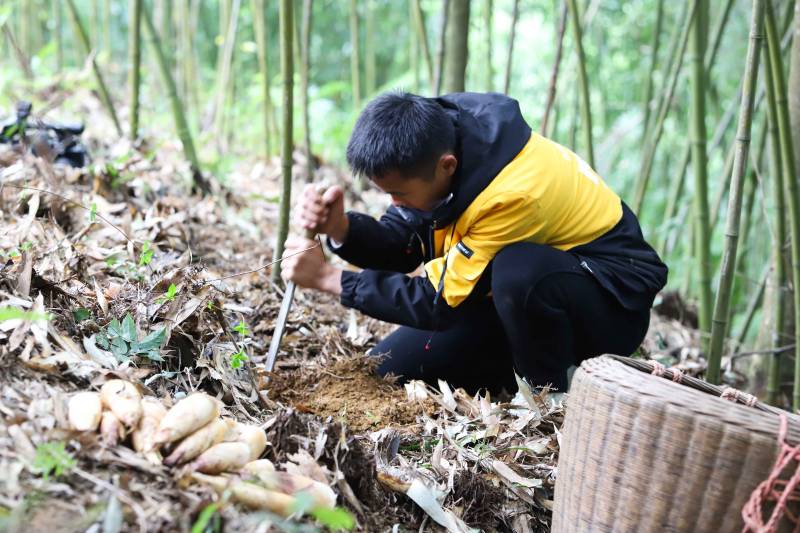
(283, 314)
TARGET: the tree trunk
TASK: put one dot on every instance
(305, 57)
(583, 82)
(510, 56)
(178, 115)
(722, 304)
(287, 74)
(457, 51)
(135, 59)
(101, 85)
(418, 19)
(355, 62)
(789, 177)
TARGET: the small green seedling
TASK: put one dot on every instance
(241, 329)
(336, 519)
(207, 520)
(122, 340)
(93, 212)
(53, 458)
(169, 295)
(237, 359)
(80, 314)
(147, 254)
(15, 313)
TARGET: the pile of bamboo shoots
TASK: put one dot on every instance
(220, 452)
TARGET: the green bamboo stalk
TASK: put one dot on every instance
(551, 89)
(665, 102)
(355, 62)
(58, 15)
(107, 29)
(178, 115)
(648, 87)
(778, 268)
(697, 135)
(260, 24)
(488, 9)
(440, 56)
(370, 70)
(456, 53)
(305, 57)
(727, 270)
(510, 55)
(583, 82)
(418, 19)
(225, 78)
(789, 177)
(87, 47)
(135, 59)
(286, 23)
(413, 49)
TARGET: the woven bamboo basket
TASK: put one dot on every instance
(643, 453)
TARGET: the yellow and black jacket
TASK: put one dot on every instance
(511, 185)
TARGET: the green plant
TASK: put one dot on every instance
(237, 359)
(52, 458)
(122, 340)
(241, 328)
(207, 520)
(15, 313)
(336, 519)
(147, 254)
(93, 212)
(169, 295)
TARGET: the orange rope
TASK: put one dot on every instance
(775, 490)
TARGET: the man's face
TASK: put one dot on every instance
(419, 191)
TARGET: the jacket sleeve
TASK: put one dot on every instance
(386, 244)
(400, 299)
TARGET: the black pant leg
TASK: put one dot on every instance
(473, 353)
(556, 314)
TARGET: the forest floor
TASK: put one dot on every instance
(110, 240)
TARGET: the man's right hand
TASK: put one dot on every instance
(323, 213)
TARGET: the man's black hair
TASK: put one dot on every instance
(399, 131)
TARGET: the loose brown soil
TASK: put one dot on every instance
(348, 390)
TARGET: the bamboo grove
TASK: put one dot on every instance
(691, 110)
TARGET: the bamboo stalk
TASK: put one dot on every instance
(259, 24)
(101, 85)
(286, 19)
(789, 177)
(721, 308)
(370, 74)
(58, 15)
(510, 55)
(665, 102)
(305, 57)
(583, 82)
(778, 269)
(437, 82)
(488, 8)
(225, 78)
(648, 87)
(178, 116)
(413, 50)
(697, 135)
(135, 59)
(355, 68)
(551, 88)
(418, 19)
(455, 62)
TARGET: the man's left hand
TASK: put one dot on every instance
(308, 268)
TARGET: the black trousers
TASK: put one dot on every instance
(545, 314)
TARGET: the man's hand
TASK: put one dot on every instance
(323, 213)
(308, 268)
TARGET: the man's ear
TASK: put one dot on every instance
(448, 162)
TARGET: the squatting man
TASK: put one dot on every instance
(531, 262)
